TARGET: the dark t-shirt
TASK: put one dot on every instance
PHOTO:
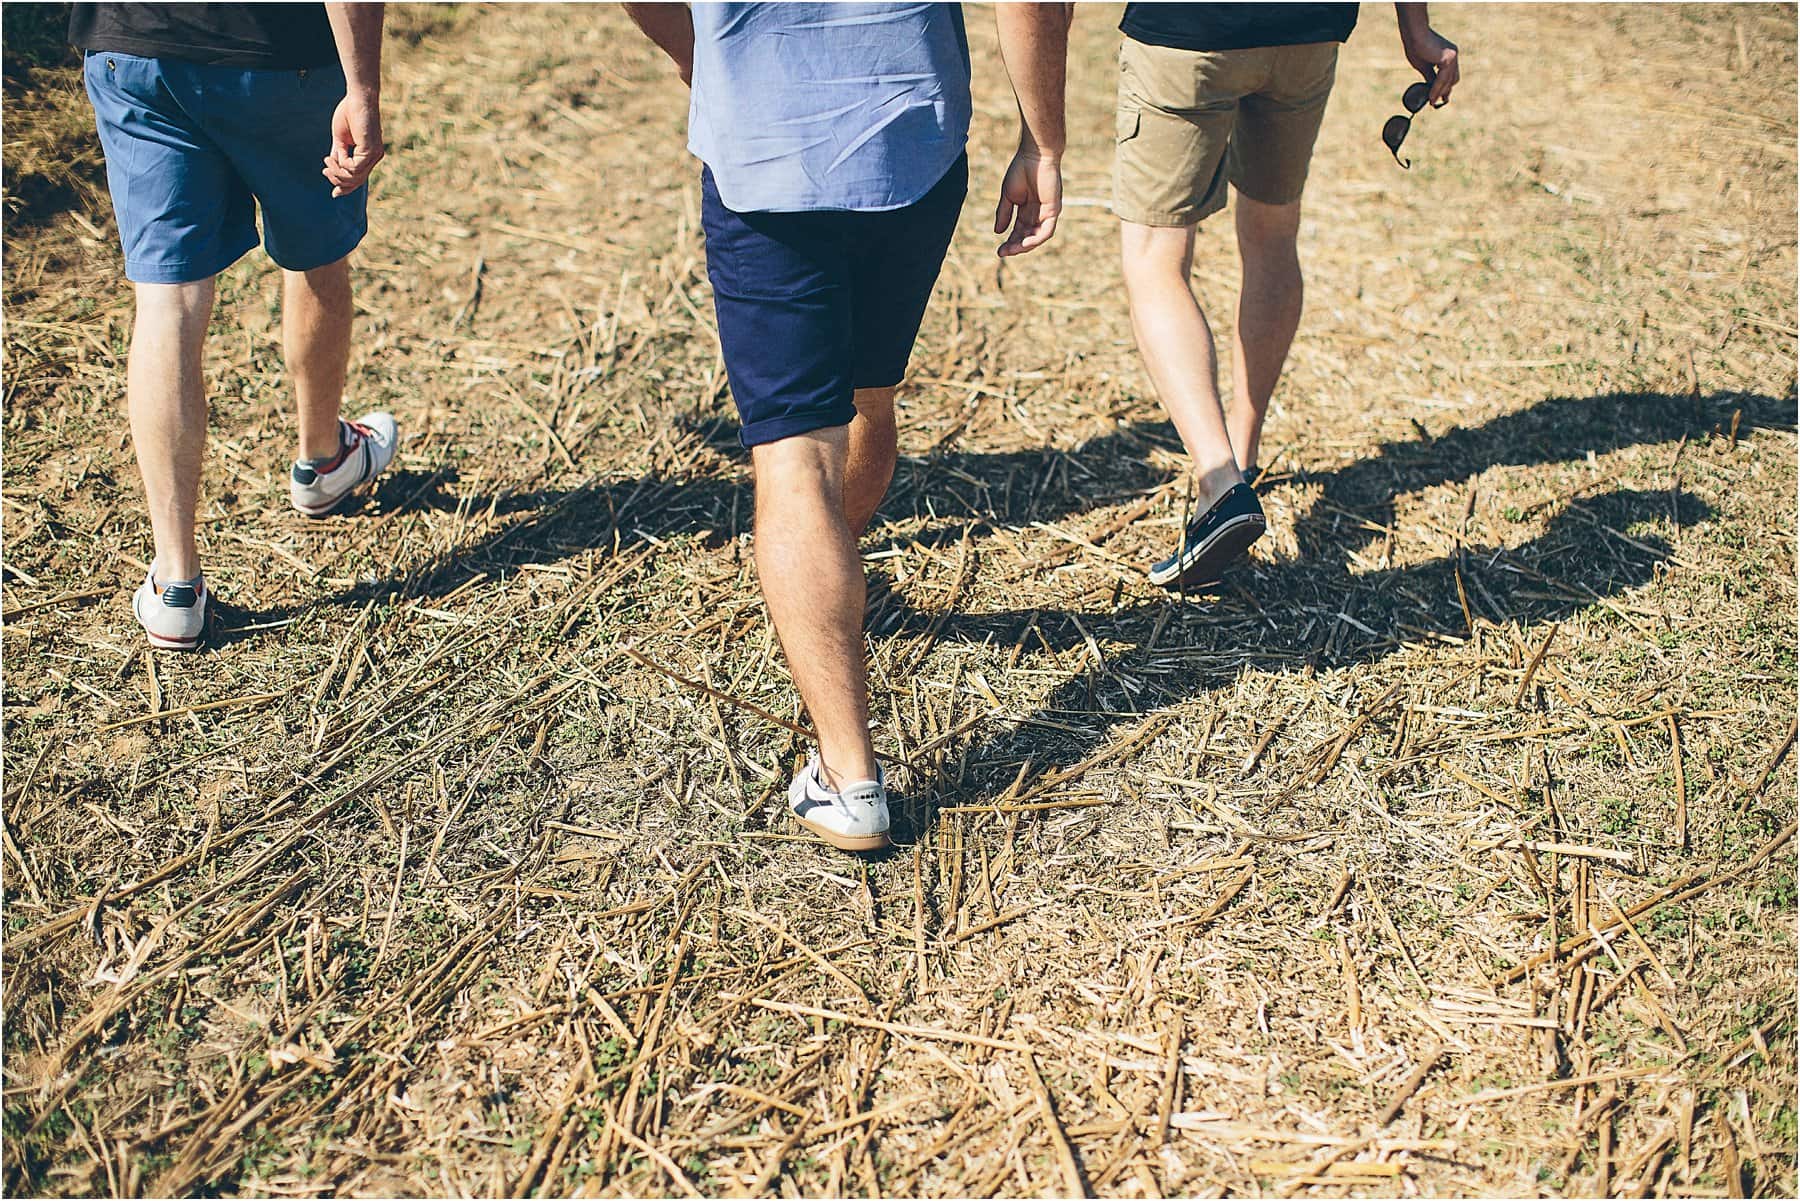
(271, 37)
(1236, 26)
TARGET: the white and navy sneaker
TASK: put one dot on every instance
(855, 818)
(1213, 539)
(173, 614)
(365, 448)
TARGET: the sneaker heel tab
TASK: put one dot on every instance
(179, 596)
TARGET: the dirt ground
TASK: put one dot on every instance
(1448, 849)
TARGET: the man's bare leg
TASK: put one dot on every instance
(1177, 345)
(1268, 313)
(166, 394)
(315, 341)
(812, 579)
(873, 448)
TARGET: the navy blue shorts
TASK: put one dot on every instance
(814, 305)
(192, 149)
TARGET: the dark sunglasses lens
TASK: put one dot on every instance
(1414, 98)
(1393, 134)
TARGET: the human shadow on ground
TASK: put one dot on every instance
(1329, 608)
(977, 491)
(952, 491)
(1307, 613)
(1323, 608)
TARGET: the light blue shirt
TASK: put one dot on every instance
(828, 106)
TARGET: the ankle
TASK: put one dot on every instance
(837, 771)
(175, 569)
(1210, 483)
(323, 452)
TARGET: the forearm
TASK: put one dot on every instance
(1034, 43)
(671, 27)
(1431, 54)
(357, 30)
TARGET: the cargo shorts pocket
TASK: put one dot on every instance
(1127, 124)
(1167, 165)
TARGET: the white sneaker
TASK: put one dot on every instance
(853, 819)
(367, 448)
(174, 615)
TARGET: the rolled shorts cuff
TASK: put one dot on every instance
(164, 271)
(330, 254)
(884, 378)
(1126, 211)
(790, 425)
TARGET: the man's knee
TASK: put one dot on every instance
(800, 468)
(1155, 253)
(332, 276)
(875, 405)
(1267, 229)
(178, 302)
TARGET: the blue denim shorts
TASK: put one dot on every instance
(192, 150)
(813, 305)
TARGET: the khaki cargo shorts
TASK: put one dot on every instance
(1190, 121)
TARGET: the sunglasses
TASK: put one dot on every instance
(1395, 131)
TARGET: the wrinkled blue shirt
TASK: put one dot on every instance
(828, 106)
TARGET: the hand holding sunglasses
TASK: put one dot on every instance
(1436, 58)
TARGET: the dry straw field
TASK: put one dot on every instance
(1448, 849)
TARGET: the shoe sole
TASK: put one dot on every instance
(167, 642)
(324, 510)
(1232, 540)
(845, 842)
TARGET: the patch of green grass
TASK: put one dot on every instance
(1617, 815)
(1785, 1126)
(1778, 891)
(262, 1151)
(1667, 921)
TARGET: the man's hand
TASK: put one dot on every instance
(356, 144)
(1034, 42)
(1030, 201)
(1431, 54)
(356, 125)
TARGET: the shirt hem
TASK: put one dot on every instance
(728, 194)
